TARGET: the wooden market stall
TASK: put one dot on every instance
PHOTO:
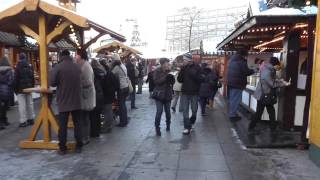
(116, 46)
(48, 23)
(290, 37)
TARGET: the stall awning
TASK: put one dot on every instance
(261, 29)
(24, 13)
(116, 45)
(9, 39)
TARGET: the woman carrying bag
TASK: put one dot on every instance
(163, 93)
(266, 93)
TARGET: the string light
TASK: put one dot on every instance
(269, 42)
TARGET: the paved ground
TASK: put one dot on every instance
(212, 152)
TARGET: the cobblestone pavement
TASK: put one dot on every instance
(211, 152)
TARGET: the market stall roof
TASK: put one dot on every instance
(24, 13)
(264, 28)
(9, 39)
(114, 46)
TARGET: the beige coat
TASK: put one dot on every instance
(88, 92)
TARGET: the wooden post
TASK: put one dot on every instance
(46, 117)
(311, 26)
(314, 150)
(287, 102)
(44, 74)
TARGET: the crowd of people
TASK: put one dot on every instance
(95, 92)
(191, 83)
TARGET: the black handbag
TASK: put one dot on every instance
(159, 95)
(268, 98)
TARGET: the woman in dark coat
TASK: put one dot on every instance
(150, 81)
(110, 86)
(95, 114)
(162, 93)
(6, 90)
(207, 88)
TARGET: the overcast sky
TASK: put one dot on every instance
(150, 14)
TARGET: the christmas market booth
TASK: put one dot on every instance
(288, 34)
(117, 47)
(47, 23)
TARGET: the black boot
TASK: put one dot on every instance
(158, 132)
(168, 128)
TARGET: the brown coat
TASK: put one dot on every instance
(66, 77)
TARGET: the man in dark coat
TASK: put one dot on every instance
(23, 79)
(190, 77)
(66, 77)
(237, 80)
(132, 74)
(140, 76)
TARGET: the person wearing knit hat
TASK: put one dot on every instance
(190, 77)
(23, 79)
(187, 57)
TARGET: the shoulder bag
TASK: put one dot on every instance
(268, 98)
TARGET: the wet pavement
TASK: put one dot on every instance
(212, 152)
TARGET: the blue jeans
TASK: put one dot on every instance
(234, 96)
(187, 101)
(160, 106)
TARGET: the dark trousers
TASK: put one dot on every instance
(203, 103)
(160, 106)
(85, 125)
(133, 96)
(257, 116)
(95, 122)
(140, 84)
(63, 123)
(122, 95)
(3, 111)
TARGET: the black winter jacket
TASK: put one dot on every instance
(131, 72)
(150, 81)
(99, 75)
(209, 84)
(163, 82)
(110, 85)
(190, 76)
(237, 72)
(23, 76)
(6, 80)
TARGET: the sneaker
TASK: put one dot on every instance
(2, 128)
(24, 124)
(173, 109)
(134, 107)
(30, 122)
(186, 132)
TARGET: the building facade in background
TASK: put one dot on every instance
(210, 26)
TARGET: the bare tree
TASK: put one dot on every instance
(192, 14)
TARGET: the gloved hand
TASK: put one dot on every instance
(170, 79)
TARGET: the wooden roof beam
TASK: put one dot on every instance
(28, 31)
(85, 46)
(57, 31)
